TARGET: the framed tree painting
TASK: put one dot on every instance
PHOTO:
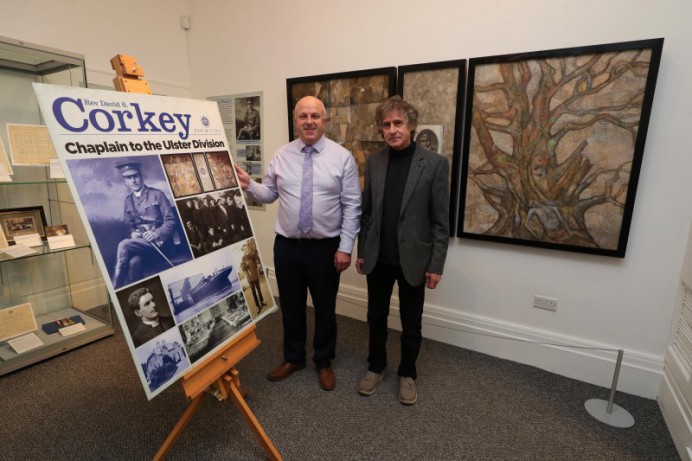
(554, 144)
(350, 99)
(437, 91)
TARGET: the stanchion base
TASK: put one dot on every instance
(618, 417)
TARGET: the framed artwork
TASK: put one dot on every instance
(221, 170)
(203, 171)
(437, 90)
(23, 221)
(554, 144)
(181, 175)
(350, 99)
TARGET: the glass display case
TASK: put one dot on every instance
(61, 283)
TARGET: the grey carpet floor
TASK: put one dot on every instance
(89, 404)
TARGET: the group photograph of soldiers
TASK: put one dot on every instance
(214, 220)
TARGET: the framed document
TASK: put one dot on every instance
(17, 320)
(4, 160)
(30, 145)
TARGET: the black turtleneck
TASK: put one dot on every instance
(398, 166)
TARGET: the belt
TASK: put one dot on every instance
(306, 241)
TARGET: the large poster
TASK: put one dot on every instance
(154, 182)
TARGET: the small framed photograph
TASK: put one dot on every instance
(57, 231)
(23, 221)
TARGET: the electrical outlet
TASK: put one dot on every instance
(543, 302)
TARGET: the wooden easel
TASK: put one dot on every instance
(216, 374)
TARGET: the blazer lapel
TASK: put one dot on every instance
(379, 175)
(417, 165)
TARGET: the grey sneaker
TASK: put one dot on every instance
(407, 391)
(368, 385)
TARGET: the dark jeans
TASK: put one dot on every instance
(303, 265)
(411, 299)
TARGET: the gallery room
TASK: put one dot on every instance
(529, 322)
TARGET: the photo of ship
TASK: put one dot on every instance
(200, 284)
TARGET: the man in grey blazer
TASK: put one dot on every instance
(403, 238)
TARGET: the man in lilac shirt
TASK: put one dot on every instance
(310, 259)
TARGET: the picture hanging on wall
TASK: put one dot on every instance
(437, 90)
(350, 99)
(554, 143)
(242, 116)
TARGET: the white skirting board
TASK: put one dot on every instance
(640, 374)
(676, 414)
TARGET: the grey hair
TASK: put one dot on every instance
(396, 103)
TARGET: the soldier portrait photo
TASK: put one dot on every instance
(130, 208)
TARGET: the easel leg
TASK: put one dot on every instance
(251, 420)
(182, 422)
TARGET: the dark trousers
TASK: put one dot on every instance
(303, 265)
(257, 293)
(411, 299)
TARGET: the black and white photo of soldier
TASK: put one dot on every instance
(129, 206)
(163, 359)
(199, 284)
(247, 118)
(252, 278)
(212, 327)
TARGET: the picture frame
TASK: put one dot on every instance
(23, 221)
(242, 116)
(350, 100)
(553, 145)
(182, 174)
(436, 89)
(200, 161)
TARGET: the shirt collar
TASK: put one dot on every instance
(318, 146)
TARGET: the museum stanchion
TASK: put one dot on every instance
(606, 411)
(216, 374)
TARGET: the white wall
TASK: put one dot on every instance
(242, 47)
(149, 30)
(238, 47)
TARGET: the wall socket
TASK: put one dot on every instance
(543, 302)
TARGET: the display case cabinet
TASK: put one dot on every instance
(61, 283)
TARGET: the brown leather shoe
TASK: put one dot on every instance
(284, 370)
(327, 378)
